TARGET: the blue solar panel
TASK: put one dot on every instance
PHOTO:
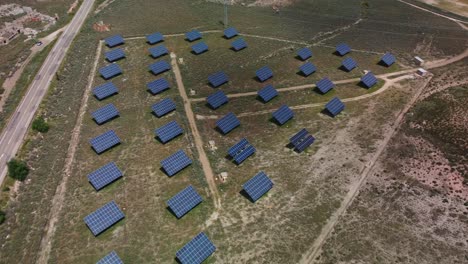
(163, 107)
(264, 73)
(169, 131)
(175, 163)
(218, 78)
(158, 51)
(104, 175)
(217, 99)
(154, 38)
(196, 251)
(304, 53)
(247, 152)
(257, 186)
(267, 93)
(388, 59)
(305, 143)
(299, 136)
(307, 68)
(343, 49)
(199, 48)
(349, 64)
(103, 218)
(104, 141)
(111, 258)
(369, 80)
(325, 85)
(283, 114)
(105, 90)
(193, 35)
(114, 41)
(110, 71)
(230, 32)
(239, 44)
(105, 114)
(227, 123)
(241, 151)
(234, 150)
(114, 55)
(302, 140)
(184, 201)
(335, 106)
(158, 86)
(159, 67)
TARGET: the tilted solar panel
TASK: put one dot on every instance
(299, 136)
(335, 106)
(304, 53)
(159, 67)
(267, 93)
(264, 73)
(199, 48)
(244, 154)
(217, 99)
(114, 55)
(111, 258)
(388, 59)
(158, 51)
(105, 114)
(184, 201)
(154, 38)
(104, 176)
(110, 71)
(193, 35)
(241, 151)
(257, 186)
(114, 41)
(239, 44)
(196, 251)
(369, 79)
(307, 68)
(169, 131)
(227, 123)
(104, 141)
(306, 142)
(218, 78)
(163, 107)
(325, 85)
(230, 33)
(158, 86)
(349, 64)
(175, 163)
(343, 49)
(103, 218)
(283, 114)
(105, 90)
(234, 150)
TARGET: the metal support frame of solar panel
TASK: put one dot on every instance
(283, 114)
(113, 41)
(154, 38)
(348, 64)
(308, 68)
(227, 123)
(264, 73)
(267, 93)
(104, 176)
(325, 85)
(110, 71)
(184, 201)
(238, 44)
(163, 107)
(196, 251)
(168, 131)
(388, 59)
(257, 186)
(158, 86)
(158, 51)
(217, 99)
(343, 49)
(369, 80)
(159, 67)
(105, 113)
(304, 53)
(105, 90)
(199, 48)
(193, 35)
(335, 106)
(103, 218)
(104, 141)
(218, 78)
(230, 33)
(175, 163)
(111, 258)
(115, 55)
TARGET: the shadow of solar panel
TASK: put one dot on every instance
(199, 48)
(158, 51)
(158, 86)
(105, 90)
(103, 218)
(163, 107)
(325, 85)
(104, 141)
(169, 131)
(184, 201)
(159, 67)
(196, 251)
(114, 55)
(267, 93)
(234, 150)
(244, 154)
(301, 146)
(239, 44)
(218, 78)
(257, 186)
(304, 53)
(104, 176)
(111, 258)
(105, 114)
(388, 59)
(175, 163)
(154, 38)
(307, 68)
(227, 123)
(193, 35)
(369, 80)
(110, 71)
(335, 106)
(114, 41)
(230, 32)
(298, 136)
(264, 73)
(217, 99)
(343, 49)
(283, 114)
(349, 64)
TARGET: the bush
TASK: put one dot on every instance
(18, 169)
(2, 217)
(40, 125)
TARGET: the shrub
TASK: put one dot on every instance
(2, 217)
(40, 125)
(18, 169)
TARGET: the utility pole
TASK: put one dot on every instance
(225, 14)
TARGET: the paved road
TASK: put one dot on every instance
(13, 134)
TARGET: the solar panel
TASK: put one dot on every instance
(305, 143)
(159, 67)
(298, 137)
(388, 59)
(104, 141)
(257, 186)
(241, 151)
(301, 140)
(111, 258)
(227, 123)
(239, 44)
(154, 38)
(349, 64)
(114, 41)
(234, 150)
(193, 35)
(196, 251)
(217, 99)
(114, 55)
(110, 71)
(199, 48)
(158, 86)
(169, 131)
(158, 51)
(247, 152)
(267, 93)
(184, 201)
(105, 114)
(264, 73)
(103, 218)
(325, 85)
(335, 106)
(104, 175)
(218, 78)
(163, 107)
(283, 114)
(304, 53)
(369, 80)
(343, 49)
(175, 163)
(230, 32)
(307, 68)
(105, 90)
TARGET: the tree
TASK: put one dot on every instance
(2, 217)
(18, 169)
(40, 125)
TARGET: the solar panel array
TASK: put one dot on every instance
(241, 151)
(283, 114)
(230, 32)
(343, 49)
(239, 44)
(163, 107)
(155, 38)
(105, 114)
(110, 71)
(369, 79)
(193, 35)
(267, 93)
(104, 141)
(104, 175)
(169, 131)
(307, 68)
(196, 251)
(257, 186)
(304, 53)
(111, 258)
(158, 86)
(264, 73)
(184, 201)
(349, 64)
(335, 106)
(114, 55)
(103, 218)
(325, 85)
(218, 78)
(159, 67)
(158, 51)
(217, 99)
(302, 140)
(227, 123)
(388, 59)
(105, 90)
(199, 48)
(175, 163)
(114, 41)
